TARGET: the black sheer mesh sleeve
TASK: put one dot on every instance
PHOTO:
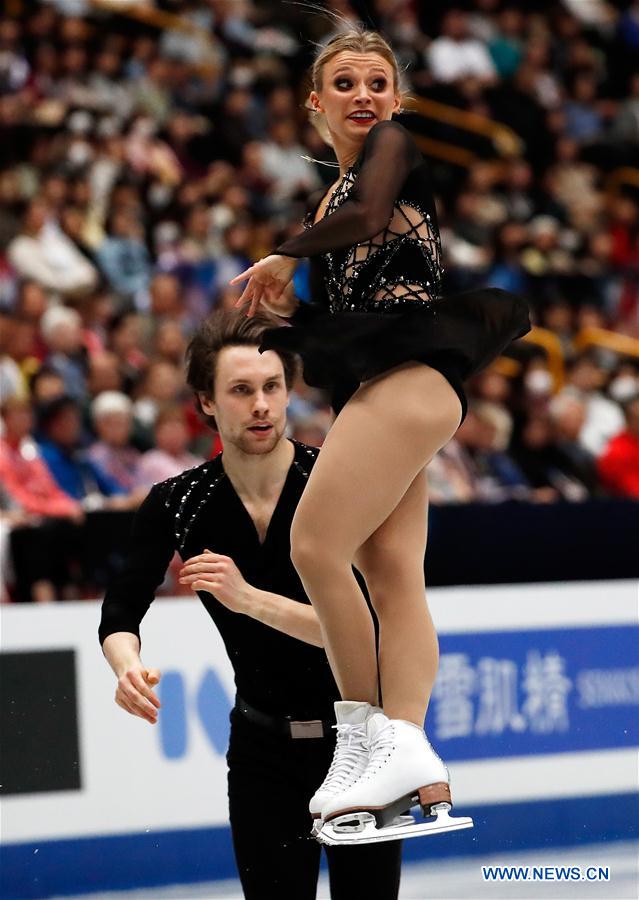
(388, 155)
(132, 591)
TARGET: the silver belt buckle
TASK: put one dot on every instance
(311, 729)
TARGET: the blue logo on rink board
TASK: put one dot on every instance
(497, 694)
(172, 718)
(548, 691)
(208, 706)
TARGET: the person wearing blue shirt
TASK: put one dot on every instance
(60, 429)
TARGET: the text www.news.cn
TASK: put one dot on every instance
(545, 873)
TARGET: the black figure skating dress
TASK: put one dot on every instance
(375, 278)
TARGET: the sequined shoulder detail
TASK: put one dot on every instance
(362, 278)
(305, 457)
(186, 495)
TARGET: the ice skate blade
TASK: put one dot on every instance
(360, 828)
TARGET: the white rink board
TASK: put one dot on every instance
(129, 785)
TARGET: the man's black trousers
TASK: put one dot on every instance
(271, 779)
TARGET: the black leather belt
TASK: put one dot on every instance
(285, 725)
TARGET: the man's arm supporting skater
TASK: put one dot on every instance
(218, 575)
(128, 599)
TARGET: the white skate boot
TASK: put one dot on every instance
(350, 757)
(403, 770)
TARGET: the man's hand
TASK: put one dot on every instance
(134, 693)
(219, 576)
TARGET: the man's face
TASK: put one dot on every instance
(250, 399)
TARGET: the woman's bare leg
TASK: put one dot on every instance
(377, 446)
(392, 562)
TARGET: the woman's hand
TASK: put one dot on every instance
(218, 575)
(268, 284)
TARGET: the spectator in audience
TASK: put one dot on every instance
(625, 382)
(43, 253)
(618, 465)
(506, 47)
(169, 343)
(558, 317)
(45, 384)
(283, 164)
(477, 461)
(500, 477)
(112, 453)
(60, 427)
(61, 330)
(454, 54)
(73, 222)
(31, 301)
(170, 455)
(27, 483)
(603, 417)
(126, 339)
(29, 500)
(165, 296)
(17, 360)
(104, 373)
(568, 413)
(452, 475)
(124, 259)
(583, 118)
(162, 383)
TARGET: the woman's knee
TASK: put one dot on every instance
(308, 550)
(305, 553)
(393, 580)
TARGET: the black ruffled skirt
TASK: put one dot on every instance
(457, 335)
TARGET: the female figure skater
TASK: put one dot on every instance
(394, 354)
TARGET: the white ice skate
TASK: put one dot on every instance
(403, 770)
(350, 757)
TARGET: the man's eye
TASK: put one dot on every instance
(240, 389)
(271, 386)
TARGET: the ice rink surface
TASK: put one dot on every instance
(461, 879)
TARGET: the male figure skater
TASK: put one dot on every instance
(230, 520)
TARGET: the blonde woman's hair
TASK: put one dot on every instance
(358, 40)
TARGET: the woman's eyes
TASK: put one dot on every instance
(345, 83)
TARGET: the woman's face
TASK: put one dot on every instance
(356, 83)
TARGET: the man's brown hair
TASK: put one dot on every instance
(226, 328)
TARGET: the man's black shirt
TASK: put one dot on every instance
(200, 510)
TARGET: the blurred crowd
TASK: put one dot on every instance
(152, 150)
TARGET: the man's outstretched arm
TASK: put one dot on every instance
(134, 690)
(127, 599)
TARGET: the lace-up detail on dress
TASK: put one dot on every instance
(375, 279)
(362, 277)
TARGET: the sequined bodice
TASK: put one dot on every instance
(399, 266)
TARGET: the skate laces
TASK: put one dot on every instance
(349, 758)
(380, 747)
